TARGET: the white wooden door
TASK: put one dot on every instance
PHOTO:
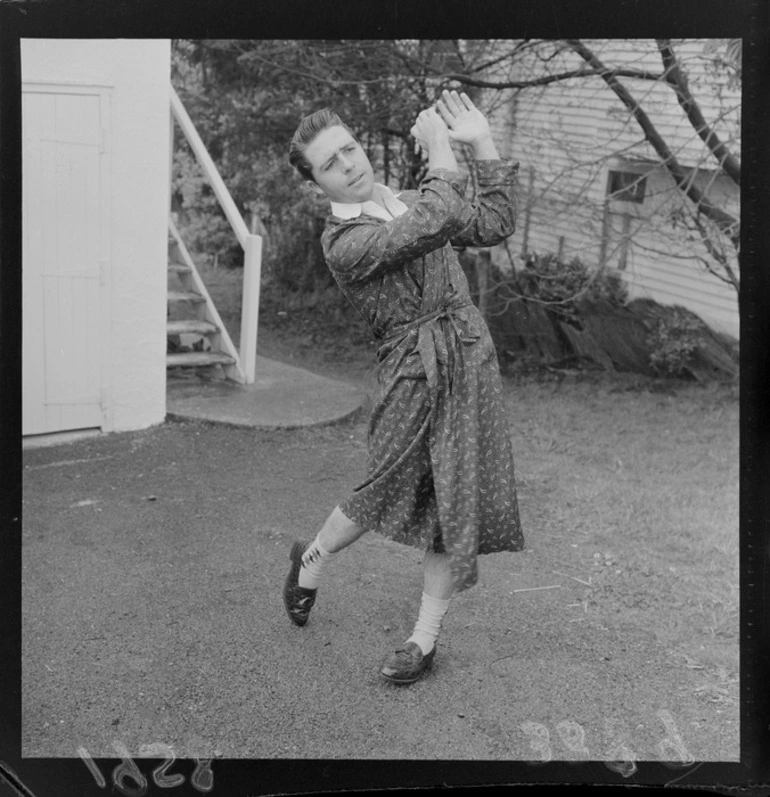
(65, 318)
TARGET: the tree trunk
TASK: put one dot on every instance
(677, 79)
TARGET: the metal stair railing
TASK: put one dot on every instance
(246, 356)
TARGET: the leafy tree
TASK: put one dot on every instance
(246, 98)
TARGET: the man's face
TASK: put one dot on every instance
(340, 166)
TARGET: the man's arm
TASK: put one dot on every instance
(363, 248)
(359, 251)
(484, 149)
(493, 216)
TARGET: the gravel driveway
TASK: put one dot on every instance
(152, 569)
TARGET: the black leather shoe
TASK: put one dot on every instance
(407, 664)
(297, 600)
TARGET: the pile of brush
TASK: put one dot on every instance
(557, 312)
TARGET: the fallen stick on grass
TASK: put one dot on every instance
(532, 589)
(579, 580)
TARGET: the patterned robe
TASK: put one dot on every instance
(440, 468)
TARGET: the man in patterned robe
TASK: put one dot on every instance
(440, 469)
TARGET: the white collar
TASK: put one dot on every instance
(351, 210)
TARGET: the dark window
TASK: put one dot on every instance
(627, 186)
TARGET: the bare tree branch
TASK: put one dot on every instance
(720, 258)
(546, 79)
(677, 79)
(725, 221)
(481, 66)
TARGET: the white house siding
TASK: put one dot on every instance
(562, 135)
(130, 78)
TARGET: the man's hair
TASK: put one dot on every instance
(307, 130)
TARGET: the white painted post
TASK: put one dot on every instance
(170, 158)
(252, 273)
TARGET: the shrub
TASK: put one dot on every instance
(554, 310)
(202, 223)
(672, 342)
(291, 218)
(549, 279)
(295, 257)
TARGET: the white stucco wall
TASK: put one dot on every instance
(135, 75)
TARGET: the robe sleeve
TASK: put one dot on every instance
(365, 247)
(493, 210)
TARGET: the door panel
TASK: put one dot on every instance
(63, 234)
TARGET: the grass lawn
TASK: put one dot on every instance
(640, 487)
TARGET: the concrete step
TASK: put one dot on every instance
(196, 358)
(190, 326)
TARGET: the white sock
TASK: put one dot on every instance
(428, 625)
(313, 562)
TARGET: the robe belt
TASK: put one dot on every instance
(427, 337)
